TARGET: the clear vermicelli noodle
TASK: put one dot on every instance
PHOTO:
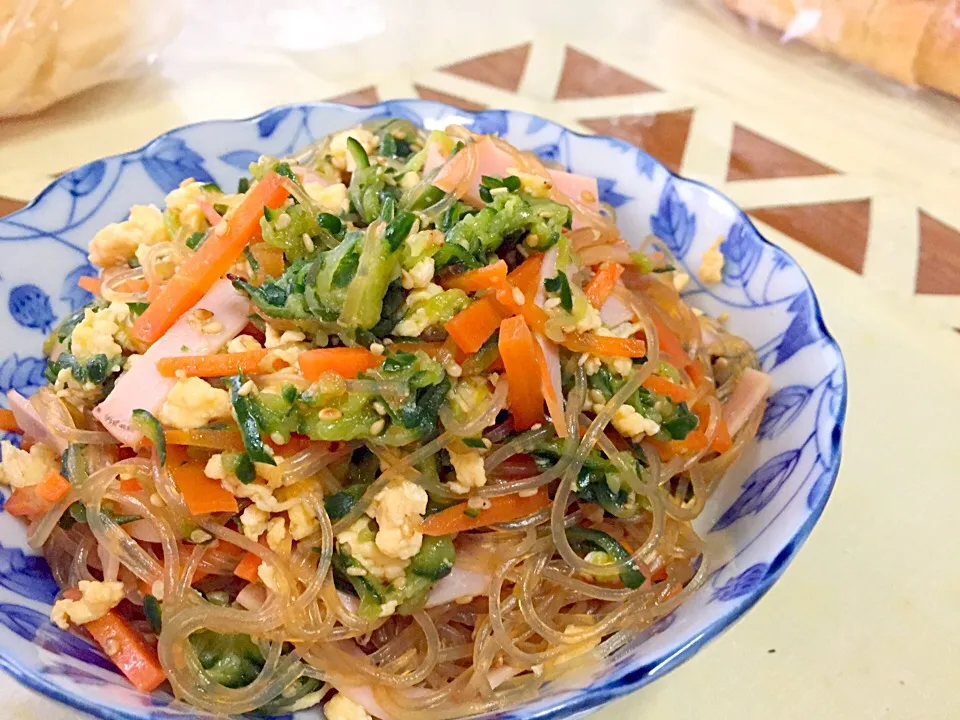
(403, 426)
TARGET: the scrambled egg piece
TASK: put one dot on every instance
(183, 207)
(117, 243)
(469, 468)
(414, 325)
(243, 343)
(711, 265)
(632, 424)
(253, 520)
(192, 403)
(533, 185)
(680, 280)
(68, 388)
(340, 707)
(98, 599)
(421, 243)
(419, 276)
(340, 156)
(359, 541)
(399, 510)
(23, 469)
(99, 331)
(330, 198)
(268, 575)
(278, 539)
(303, 522)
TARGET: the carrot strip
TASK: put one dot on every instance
(605, 346)
(504, 508)
(602, 283)
(247, 569)
(130, 485)
(90, 284)
(346, 361)
(8, 423)
(676, 393)
(473, 326)
(270, 259)
(670, 344)
(526, 276)
(249, 362)
(202, 495)
(518, 350)
(53, 487)
(126, 648)
(721, 439)
(224, 440)
(480, 279)
(25, 502)
(214, 258)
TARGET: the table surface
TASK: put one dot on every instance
(857, 179)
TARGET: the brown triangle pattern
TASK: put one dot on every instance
(938, 270)
(10, 205)
(584, 76)
(664, 135)
(365, 96)
(837, 230)
(754, 157)
(502, 69)
(437, 96)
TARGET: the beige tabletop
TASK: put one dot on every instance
(857, 179)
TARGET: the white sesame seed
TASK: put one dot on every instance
(213, 327)
(377, 427)
(597, 396)
(278, 438)
(356, 571)
(181, 374)
(454, 370)
(156, 500)
(487, 444)
(376, 348)
(379, 408)
(330, 414)
(551, 303)
(498, 191)
(537, 426)
(157, 590)
(200, 536)
(308, 243)
(518, 297)
(387, 341)
(283, 221)
(111, 647)
(528, 493)
(221, 229)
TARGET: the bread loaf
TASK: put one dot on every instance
(916, 42)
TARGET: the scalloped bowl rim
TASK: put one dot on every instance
(577, 700)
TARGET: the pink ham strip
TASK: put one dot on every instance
(144, 387)
(32, 425)
(615, 312)
(491, 160)
(753, 388)
(553, 391)
(213, 217)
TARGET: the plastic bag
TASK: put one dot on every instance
(916, 42)
(50, 49)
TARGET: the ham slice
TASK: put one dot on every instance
(144, 387)
(491, 160)
(460, 583)
(615, 312)
(753, 388)
(550, 382)
(32, 425)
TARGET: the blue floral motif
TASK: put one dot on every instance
(743, 584)
(78, 675)
(35, 627)
(25, 376)
(741, 252)
(799, 333)
(783, 407)
(548, 152)
(169, 161)
(536, 124)
(646, 164)
(30, 307)
(27, 575)
(489, 122)
(820, 489)
(240, 159)
(673, 222)
(71, 293)
(605, 186)
(760, 488)
(267, 124)
(84, 180)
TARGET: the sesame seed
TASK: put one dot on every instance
(356, 571)
(454, 370)
(283, 221)
(379, 407)
(387, 341)
(330, 414)
(582, 360)
(111, 647)
(213, 327)
(537, 426)
(200, 536)
(277, 438)
(478, 503)
(376, 348)
(528, 493)
(308, 243)
(518, 297)
(377, 427)
(487, 443)
(248, 387)
(532, 239)
(156, 500)
(498, 191)
(157, 590)
(597, 396)
(181, 374)
(221, 229)
(551, 303)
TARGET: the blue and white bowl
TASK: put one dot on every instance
(760, 517)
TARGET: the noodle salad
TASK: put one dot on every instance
(402, 425)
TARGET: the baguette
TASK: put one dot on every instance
(938, 59)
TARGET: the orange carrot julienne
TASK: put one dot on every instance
(25, 502)
(224, 440)
(8, 423)
(214, 258)
(473, 326)
(202, 495)
(602, 283)
(247, 568)
(721, 438)
(347, 362)
(89, 283)
(130, 485)
(670, 344)
(53, 487)
(126, 648)
(249, 362)
(504, 508)
(526, 276)
(480, 279)
(270, 259)
(663, 386)
(518, 350)
(605, 346)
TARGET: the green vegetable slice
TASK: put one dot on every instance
(630, 574)
(249, 427)
(151, 427)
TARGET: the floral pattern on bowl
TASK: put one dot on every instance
(756, 521)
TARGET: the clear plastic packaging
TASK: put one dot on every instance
(916, 42)
(50, 49)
